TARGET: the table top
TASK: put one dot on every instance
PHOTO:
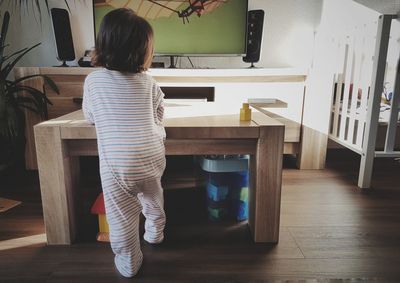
(181, 120)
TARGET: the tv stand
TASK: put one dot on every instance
(172, 64)
(252, 66)
(64, 64)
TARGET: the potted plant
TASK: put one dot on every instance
(14, 97)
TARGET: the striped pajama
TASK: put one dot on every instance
(123, 207)
(127, 110)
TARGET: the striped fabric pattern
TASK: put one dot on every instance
(123, 208)
(127, 110)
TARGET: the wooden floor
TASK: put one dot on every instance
(330, 232)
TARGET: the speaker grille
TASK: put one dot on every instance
(62, 34)
(254, 36)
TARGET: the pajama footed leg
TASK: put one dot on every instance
(128, 266)
(123, 209)
(152, 201)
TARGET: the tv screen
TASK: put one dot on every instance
(188, 27)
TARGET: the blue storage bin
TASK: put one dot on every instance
(227, 192)
(240, 198)
(217, 193)
(218, 210)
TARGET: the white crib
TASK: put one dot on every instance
(357, 93)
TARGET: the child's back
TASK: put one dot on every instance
(126, 111)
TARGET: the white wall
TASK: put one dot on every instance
(25, 30)
(289, 31)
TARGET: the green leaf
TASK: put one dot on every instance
(25, 99)
(3, 35)
(30, 108)
(7, 69)
(40, 98)
(3, 104)
(32, 90)
(51, 83)
(2, 47)
(66, 3)
(12, 121)
(4, 29)
(47, 79)
(5, 58)
(36, 94)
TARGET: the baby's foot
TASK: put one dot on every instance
(153, 240)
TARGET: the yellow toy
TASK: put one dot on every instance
(99, 209)
(245, 112)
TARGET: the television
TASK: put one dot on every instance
(188, 27)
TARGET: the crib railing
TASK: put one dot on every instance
(357, 92)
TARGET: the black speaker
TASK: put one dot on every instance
(62, 35)
(255, 22)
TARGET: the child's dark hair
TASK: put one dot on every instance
(124, 42)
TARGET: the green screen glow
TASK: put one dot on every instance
(220, 31)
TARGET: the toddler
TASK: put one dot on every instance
(126, 106)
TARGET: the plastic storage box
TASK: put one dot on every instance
(227, 186)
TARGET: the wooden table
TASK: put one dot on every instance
(203, 128)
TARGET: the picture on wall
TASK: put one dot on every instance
(188, 27)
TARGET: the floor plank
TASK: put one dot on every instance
(330, 232)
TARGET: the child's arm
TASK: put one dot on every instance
(86, 104)
(159, 106)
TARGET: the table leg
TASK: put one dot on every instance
(58, 174)
(265, 185)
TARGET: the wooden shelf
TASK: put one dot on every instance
(182, 172)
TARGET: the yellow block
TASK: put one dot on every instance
(103, 225)
(245, 112)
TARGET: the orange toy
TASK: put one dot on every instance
(99, 209)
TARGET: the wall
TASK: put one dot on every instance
(26, 30)
(382, 6)
(289, 31)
